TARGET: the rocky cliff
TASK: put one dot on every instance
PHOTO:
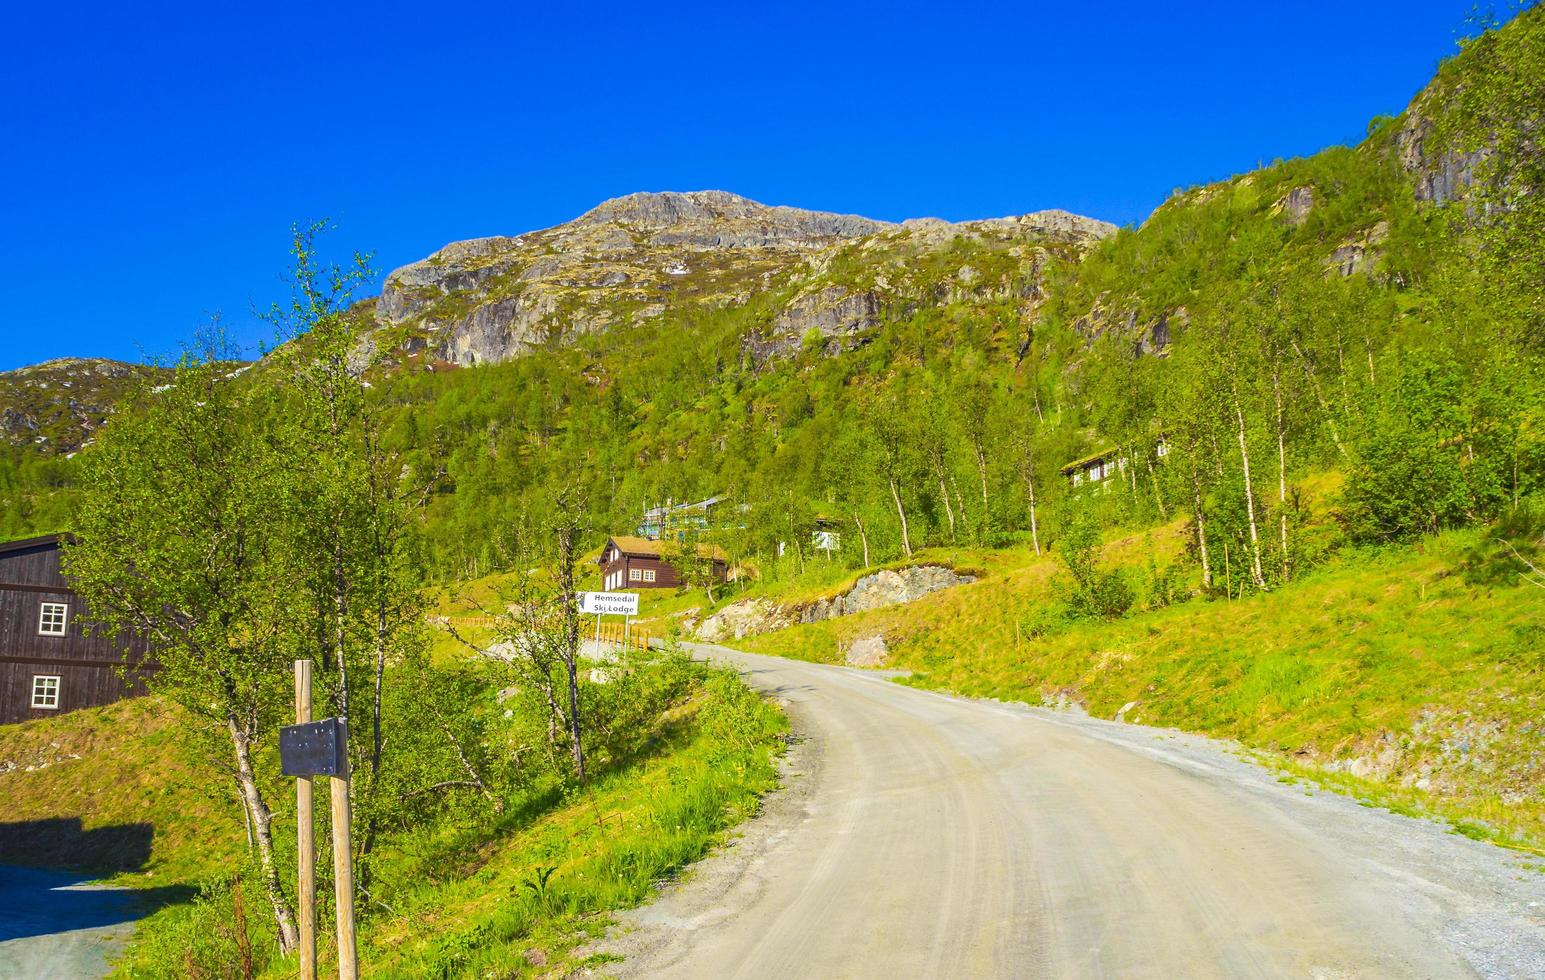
(635, 258)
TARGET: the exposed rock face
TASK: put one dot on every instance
(834, 315)
(868, 651)
(1151, 337)
(719, 219)
(1297, 204)
(637, 257)
(885, 588)
(741, 619)
(1441, 176)
(1357, 254)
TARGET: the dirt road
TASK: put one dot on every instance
(921, 835)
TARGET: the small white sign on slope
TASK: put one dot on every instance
(608, 603)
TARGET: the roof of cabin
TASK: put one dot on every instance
(678, 508)
(1087, 460)
(25, 543)
(650, 548)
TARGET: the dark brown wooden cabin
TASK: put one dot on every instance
(639, 563)
(48, 663)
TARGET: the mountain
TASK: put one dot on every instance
(1331, 317)
(54, 407)
(632, 259)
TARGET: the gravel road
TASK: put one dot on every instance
(55, 925)
(922, 835)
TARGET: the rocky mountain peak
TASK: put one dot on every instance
(725, 220)
(630, 259)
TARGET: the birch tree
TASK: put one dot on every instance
(180, 541)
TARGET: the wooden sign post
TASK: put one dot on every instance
(321, 748)
(343, 862)
(305, 836)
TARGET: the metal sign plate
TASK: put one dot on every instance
(608, 603)
(317, 748)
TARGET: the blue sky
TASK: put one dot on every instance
(154, 156)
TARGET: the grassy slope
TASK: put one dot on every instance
(1384, 672)
(470, 899)
(458, 896)
(111, 768)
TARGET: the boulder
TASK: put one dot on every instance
(868, 651)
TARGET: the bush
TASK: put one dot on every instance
(1091, 591)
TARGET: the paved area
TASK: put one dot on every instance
(922, 835)
(56, 926)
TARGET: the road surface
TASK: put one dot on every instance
(56, 926)
(922, 835)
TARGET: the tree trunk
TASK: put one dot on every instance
(1319, 396)
(566, 545)
(901, 512)
(949, 511)
(981, 472)
(340, 611)
(863, 537)
(1201, 526)
(1158, 497)
(1244, 459)
(262, 829)
(1282, 491)
(1035, 534)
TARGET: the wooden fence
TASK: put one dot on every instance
(612, 634)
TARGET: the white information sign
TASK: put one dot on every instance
(608, 603)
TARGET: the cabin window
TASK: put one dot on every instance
(52, 619)
(648, 575)
(45, 691)
(635, 575)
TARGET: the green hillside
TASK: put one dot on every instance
(1352, 310)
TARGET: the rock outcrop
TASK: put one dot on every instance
(875, 591)
(885, 588)
(868, 651)
(833, 317)
(57, 405)
(746, 618)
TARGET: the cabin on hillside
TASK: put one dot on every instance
(48, 663)
(677, 520)
(1097, 468)
(639, 563)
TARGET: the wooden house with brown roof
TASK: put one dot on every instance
(639, 563)
(48, 662)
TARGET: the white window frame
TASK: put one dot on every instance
(635, 575)
(46, 623)
(648, 575)
(45, 691)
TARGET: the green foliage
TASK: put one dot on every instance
(1091, 591)
(682, 751)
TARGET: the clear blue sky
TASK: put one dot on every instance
(153, 158)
